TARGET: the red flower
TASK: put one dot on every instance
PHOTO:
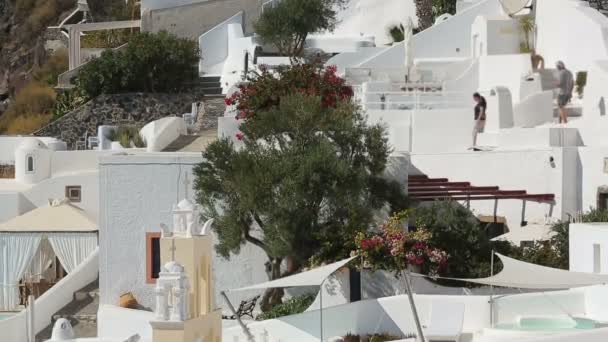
(240, 136)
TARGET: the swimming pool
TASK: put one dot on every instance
(6, 315)
(549, 324)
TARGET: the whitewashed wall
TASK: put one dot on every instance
(582, 237)
(8, 145)
(528, 170)
(591, 163)
(595, 100)
(214, 46)
(159, 4)
(504, 70)
(440, 131)
(580, 42)
(120, 323)
(534, 110)
(138, 195)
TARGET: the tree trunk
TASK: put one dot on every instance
(424, 11)
(272, 297)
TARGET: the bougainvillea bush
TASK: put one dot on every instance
(393, 249)
(266, 87)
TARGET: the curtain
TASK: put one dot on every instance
(72, 248)
(16, 252)
(40, 266)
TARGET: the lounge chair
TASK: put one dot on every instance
(446, 322)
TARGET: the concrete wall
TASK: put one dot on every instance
(595, 100)
(571, 31)
(191, 21)
(154, 183)
(440, 131)
(582, 237)
(504, 70)
(495, 36)
(534, 110)
(528, 170)
(214, 45)
(592, 161)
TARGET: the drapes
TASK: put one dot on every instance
(72, 248)
(16, 252)
(39, 267)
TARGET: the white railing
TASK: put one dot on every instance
(411, 97)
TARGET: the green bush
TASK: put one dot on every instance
(67, 101)
(127, 136)
(107, 38)
(581, 82)
(294, 305)
(151, 62)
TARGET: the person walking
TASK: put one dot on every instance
(480, 116)
(565, 83)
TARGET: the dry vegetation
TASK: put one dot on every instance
(31, 109)
(38, 14)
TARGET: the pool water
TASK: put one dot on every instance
(548, 324)
(5, 316)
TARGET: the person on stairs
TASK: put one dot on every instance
(565, 83)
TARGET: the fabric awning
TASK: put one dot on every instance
(519, 274)
(314, 277)
(58, 216)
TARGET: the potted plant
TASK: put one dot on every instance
(581, 82)
(526, 25)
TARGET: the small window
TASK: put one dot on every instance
(30, 164)
(152, 257)
(73, 193)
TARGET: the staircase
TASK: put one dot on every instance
(81, 312)
(210, 85)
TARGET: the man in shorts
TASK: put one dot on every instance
(565, 83)
(480, 116)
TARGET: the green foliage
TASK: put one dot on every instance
(527, 26)
(107, 38)
(151, 62)
(67, 101)
(581, 82)
(293, 306)
(286, 24)
(397, 33)
(310, 180)
(444, 6)
(127, 136)
(113, 10)
(455, 230)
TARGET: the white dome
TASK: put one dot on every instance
(173, 267)
(185, 205)
(33, 144)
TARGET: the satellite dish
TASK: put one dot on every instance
(512, 7)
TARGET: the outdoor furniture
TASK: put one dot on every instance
(446, 322)
(245, 308)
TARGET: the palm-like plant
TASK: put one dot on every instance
(526, 24)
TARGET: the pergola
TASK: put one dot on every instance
(35, 238)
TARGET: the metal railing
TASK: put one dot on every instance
(411, 97)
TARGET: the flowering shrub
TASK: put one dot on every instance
(265, 88)
(393, 249)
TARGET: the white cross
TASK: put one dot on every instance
(186, 185)
(173, 249)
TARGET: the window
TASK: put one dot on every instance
(30, 163)
(73, 193)
(152, 257)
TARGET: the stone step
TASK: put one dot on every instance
(212, 91)
(210, 79)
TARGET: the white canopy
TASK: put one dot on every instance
(314, 277)
(58, 216)
(525, 275)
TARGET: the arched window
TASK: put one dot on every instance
(30, 163)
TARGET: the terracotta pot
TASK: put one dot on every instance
(128, 301)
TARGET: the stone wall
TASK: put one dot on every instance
(119, 109)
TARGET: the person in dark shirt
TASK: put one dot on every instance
(480, 116)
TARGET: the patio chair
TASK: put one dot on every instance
(245, 308)
(446, 322)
